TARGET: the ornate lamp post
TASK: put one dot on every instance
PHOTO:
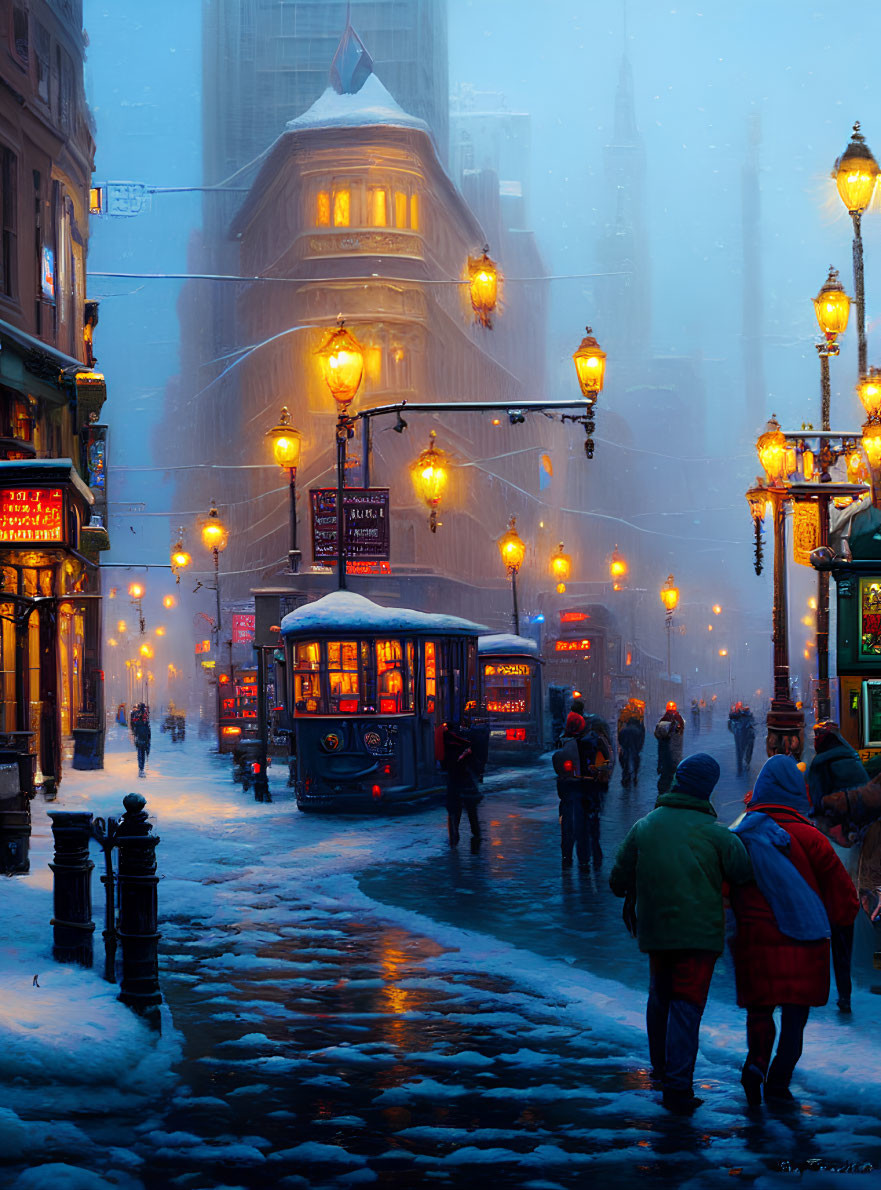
(785, 719)
(856, 173)
(832, 307)
(286, 451)
(180, 560)
(513, 551)
(483, 287)
(670, 598)
(561, 568)
(342, 363)
(430, 473)
(215, 538)
(136, 593)
(872, 448)
(590, 368)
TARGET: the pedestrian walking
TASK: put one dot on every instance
(836, 766)
(696, 716)
(673, 864)
(669, 732)
(784, 921)
(742, 726)
(582, 768)
(141, 735)
(631, 738)
(462, 763)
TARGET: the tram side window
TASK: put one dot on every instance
(342, 676)
(410, 677)
(390, 676)
(430, 676)
(507, 688)
(307, 679)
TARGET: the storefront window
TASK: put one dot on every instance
(307, 680)
(342, 675)
(870, 627)
(7, 669)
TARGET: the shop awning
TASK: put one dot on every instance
(31, 366)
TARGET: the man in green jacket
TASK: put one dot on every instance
(674, 863)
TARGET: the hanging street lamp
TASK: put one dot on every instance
(856, 174)
(590, 368)
(342, 365)
(286, 451)
(430, 473)
(483, 286)
(513, 550)
(561, 568)
(180, 560)
(669, 594)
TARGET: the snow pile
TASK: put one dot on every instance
(506, 642)
(346, 611)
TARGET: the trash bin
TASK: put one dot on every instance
(88, 748)
(15, 818)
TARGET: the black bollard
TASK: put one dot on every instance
(138, 911)
(72, 924)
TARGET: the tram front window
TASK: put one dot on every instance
(342, 676)
(307, 680)
(390, 677)
(507, 687)
(430, 675)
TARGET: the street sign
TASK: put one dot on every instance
(242, 628)
(365, 524)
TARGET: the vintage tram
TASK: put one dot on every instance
(511, 692)
(367, 687)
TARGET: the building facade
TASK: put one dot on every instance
(52, 443)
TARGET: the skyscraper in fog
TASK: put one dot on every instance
(265, 62)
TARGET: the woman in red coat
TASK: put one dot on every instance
(781, 952)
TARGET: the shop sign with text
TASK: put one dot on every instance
(365, 524)
(31, 516)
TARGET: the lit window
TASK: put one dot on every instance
(341, 208)
(414, 211)
(378, 214)
(342, 672)
(430, 670)
(373, 364)
(307, 682)
(389, 675)
(322, 209)
(400, 209)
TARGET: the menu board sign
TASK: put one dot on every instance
(365, 524)
(31, 516)
(243, 628)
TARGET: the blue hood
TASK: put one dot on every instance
(781, 783)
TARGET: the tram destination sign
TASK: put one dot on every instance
(30, 516)
(365, 524)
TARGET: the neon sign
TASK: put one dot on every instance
(572, 646)
(30, 515)
(508, 671)
(574, 617)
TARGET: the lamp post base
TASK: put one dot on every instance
(786, 729)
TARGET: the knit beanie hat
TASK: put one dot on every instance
(575, 724)
(697, 775)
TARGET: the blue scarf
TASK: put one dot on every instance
(797, 909)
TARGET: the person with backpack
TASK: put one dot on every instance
(581, 764)
(464, 748)
(141, 735)
(669, 732)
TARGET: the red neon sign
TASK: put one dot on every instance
(572, 646)
(31, 515)
(515, 733)
(349, 706)
(574, 617)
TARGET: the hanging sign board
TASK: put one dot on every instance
(365, 524)
(31, 516)
(242, 628)
(805, 530)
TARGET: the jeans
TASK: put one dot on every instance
(142, 756)
(842, 950)
(760, 1041)
(678, 988)
(573, 826)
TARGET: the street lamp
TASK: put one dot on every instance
(215, 538)
(856, 173)
(785, 720)
(430, 473)
(670, 598)
(342, 365)
(286, 450)
(617, 569)
(513, 551)
(483, 286)
(136, 594)
(561, 568)
(832, 307)
(590, 368)
(180, 560)
(871, 441)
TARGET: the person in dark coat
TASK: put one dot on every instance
(582, 770)
(631, 738)
(781, 951)
(836, 766)
(696, 716)
(463, 791)
(674, 863)
(742, 726)
(669, 732)
(141, 734)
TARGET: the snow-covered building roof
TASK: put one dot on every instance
(506, 642)
(372, 105)
(346, 611)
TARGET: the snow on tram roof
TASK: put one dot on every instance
(347, 611)
(506, 642)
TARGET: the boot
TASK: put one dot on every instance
(752, 1080)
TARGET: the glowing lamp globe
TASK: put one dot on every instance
(771, 449)
(180, 559)
(856, 172)
(669, 595)
(590, 366)
(617, 566)
(483, 286)
(872, 443)
(855, 467)
(342, 364)
(136, 590)
(757, 498)
(869, 392)
(285, 442)
(121, 626)
(832, 307)
(561, 565)
(169, 601)
(511, 548)
(214, 532)
(430, 474)
(146, 650)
